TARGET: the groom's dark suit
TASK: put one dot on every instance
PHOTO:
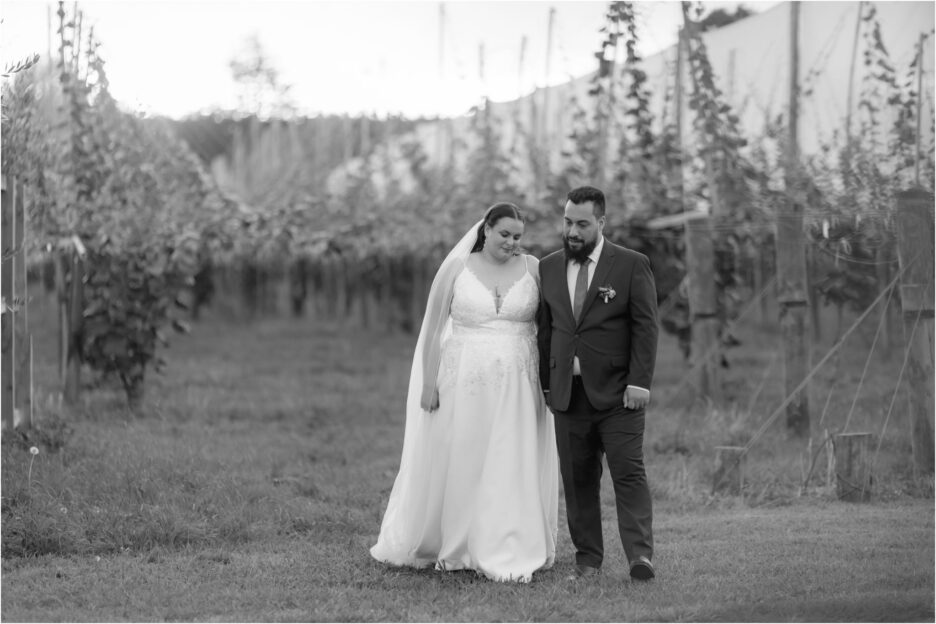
(615, 342)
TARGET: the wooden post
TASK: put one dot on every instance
(30, 412)
(421, 276)
(75, 309)
(830, 459)
(814, 294)
(330, 290)
(345, 289)
(604, 123)
(729, 93)
(319, 275)
(729, 470)
(545, 133)
(387, 313)
(853, 466)
(252, 172)
(347, 139)
(791, 262)
(365, 135)
(439, 123)
(528, 121)
(883, 256)
(717, 202)
(917, 154)
(484, 90)
(849, 106)
(520, 63)
(915, 231)
(76, 45)
(21, 395)
(314, 133)
(61, 294)
(703, 306)
(6, 276)
(761, 279)
(681, 49)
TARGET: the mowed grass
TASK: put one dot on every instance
(253, 484)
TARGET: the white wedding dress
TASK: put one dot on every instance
(478, 487)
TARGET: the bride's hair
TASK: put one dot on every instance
(494, 214)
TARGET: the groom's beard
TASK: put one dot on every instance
(580, 254)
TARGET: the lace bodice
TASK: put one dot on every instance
(488, 345)
(474, 306)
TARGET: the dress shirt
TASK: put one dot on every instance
(572, 269)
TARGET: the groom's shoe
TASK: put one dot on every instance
(642, 569)
(583, 571)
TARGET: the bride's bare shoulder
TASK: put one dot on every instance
(532, 262)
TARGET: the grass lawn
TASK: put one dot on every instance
(817, 562)
(253, 484)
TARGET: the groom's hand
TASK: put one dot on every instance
(636, 398)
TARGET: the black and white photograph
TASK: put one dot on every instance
(467, 311)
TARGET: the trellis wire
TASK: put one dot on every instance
(864, 372)
(821, 363)
(828, 401)
(779, 410)
(763, 382)
(890, 408)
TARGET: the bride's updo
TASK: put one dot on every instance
(494, 214)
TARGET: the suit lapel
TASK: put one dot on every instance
(605, 261)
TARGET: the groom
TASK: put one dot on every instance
(597, 341)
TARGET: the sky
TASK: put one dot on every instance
(415, 58)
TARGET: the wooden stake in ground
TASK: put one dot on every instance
(729, 469)
(915, 233)
(853, 466)
(791, 262)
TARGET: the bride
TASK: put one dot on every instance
(478, 482)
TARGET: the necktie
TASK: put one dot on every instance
(581, 287)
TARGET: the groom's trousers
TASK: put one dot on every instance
(582, 434)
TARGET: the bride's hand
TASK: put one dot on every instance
(430, 399)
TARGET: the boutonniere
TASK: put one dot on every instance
(607, 293)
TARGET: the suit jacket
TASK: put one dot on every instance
(615, 342)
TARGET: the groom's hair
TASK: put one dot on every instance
(584, 194)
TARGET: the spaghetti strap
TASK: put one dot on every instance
(534, 274)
